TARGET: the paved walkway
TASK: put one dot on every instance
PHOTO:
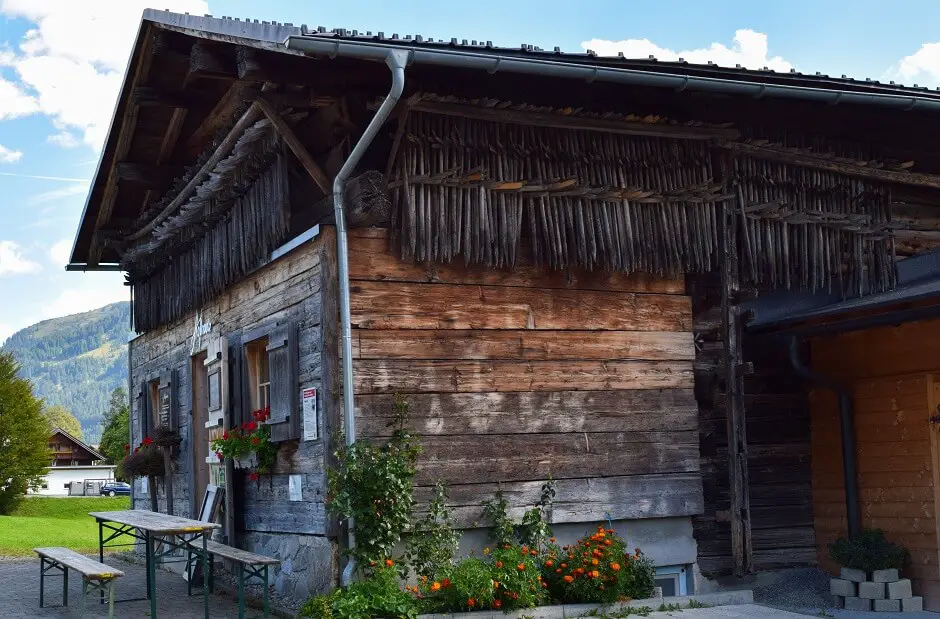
(19, 595)
(753, 611)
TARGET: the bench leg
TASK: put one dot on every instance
(65, 586)
(42, 580)
(111, 599)
(265, 590)
(241, 591)
(81, 613)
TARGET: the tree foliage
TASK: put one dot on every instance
(24, 436)
(59, 417)
(76, 361)
(116, 434)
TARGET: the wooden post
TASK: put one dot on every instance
(733, 369)
(152, 482)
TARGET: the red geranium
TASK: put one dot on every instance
(147, 440)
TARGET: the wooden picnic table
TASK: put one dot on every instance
(149, 527)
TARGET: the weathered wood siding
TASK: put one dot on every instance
(778, 437)
(516, 376)
(891, 371)
(287, 290)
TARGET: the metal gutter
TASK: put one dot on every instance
(396, 61)
(329, 45)
(847, 426)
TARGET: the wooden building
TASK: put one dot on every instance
(548, 255)
(67, 450)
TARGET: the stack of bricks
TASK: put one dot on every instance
(885, 592)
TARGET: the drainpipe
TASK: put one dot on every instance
(396, 61)
(847, 423)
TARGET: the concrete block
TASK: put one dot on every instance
(900, 589)
(872, 590)
(887, 606)
(912, 605)
(848, 573)
(837, 601)
(843, 588)
(857, 604)
(885, 575)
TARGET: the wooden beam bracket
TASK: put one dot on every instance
(287, 134)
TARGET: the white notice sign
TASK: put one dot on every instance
(308, 397)
(295, 489)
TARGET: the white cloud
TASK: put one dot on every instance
(12, 261)
(98, 293)
(8, 155)
(922, 67)
(65, 139)
(62, 192)
(69, 67)
(748, 49)
(60, 251)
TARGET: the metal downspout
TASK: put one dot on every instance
(847, 423)
(396, 61)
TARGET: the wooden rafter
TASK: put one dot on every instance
(218, 118)
(805, 158)
(223, 150)
(585, 123)
(296, 146)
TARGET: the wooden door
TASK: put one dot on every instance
(933, 428)
(200, 408)
(219, 420)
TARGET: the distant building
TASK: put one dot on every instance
(77, 468)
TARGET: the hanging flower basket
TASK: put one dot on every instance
(163, 436)
(146, 460)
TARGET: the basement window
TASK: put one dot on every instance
(673, 579)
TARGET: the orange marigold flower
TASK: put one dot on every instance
(496, 584)
(569, 578)
(595, 573)
(389, 563)
(445, 583)
(497, 603)
(499, 564)
(471, 602)
(564, 565)
(521, 567)
(558, 571)
(551, 539)
(607, 542)
(615, 567)
(533, 553)
(593, 561)
(525, 550)
(436, 586)
(549, 563)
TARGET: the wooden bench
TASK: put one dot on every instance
(95, 576)
(248, 565)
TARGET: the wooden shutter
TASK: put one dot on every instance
(169, 388)
(283, 362)
(143, 412)
(217, 368)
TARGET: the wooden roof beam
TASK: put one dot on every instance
(287, 134)
(176, 98)
(807, 159)
(212, 61)
(152, 176)
(584, 123)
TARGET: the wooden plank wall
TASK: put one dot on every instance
(286, 290)
(889, 370)
(777, 414)
(515, 376)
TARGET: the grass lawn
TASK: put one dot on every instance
(53, 521)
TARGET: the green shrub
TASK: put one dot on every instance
(598, 568)
(869, 551)
(433, 542)
(378, 596)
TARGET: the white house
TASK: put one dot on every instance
(77, 468)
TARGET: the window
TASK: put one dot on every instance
(259, 374)
(45, 486)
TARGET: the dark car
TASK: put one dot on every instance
(115, 487)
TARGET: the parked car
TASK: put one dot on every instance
(113, 488)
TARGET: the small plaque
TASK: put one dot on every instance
(215, 390)
(308, 398)
(295, 488)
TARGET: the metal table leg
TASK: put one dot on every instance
(265, 590)
(205, 574)
(241, 591)
(152, 575)
(65, 586)
(42, 580)
(101, 550)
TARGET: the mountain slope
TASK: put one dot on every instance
(76, 361)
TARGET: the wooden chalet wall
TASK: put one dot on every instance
(288, 290)
(778, 443)
(893, 375)
(517, 376)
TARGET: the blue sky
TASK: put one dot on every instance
(61, 63)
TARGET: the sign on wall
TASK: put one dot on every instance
(308, 398)
(164, 412)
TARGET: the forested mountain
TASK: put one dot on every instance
(76, 361)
